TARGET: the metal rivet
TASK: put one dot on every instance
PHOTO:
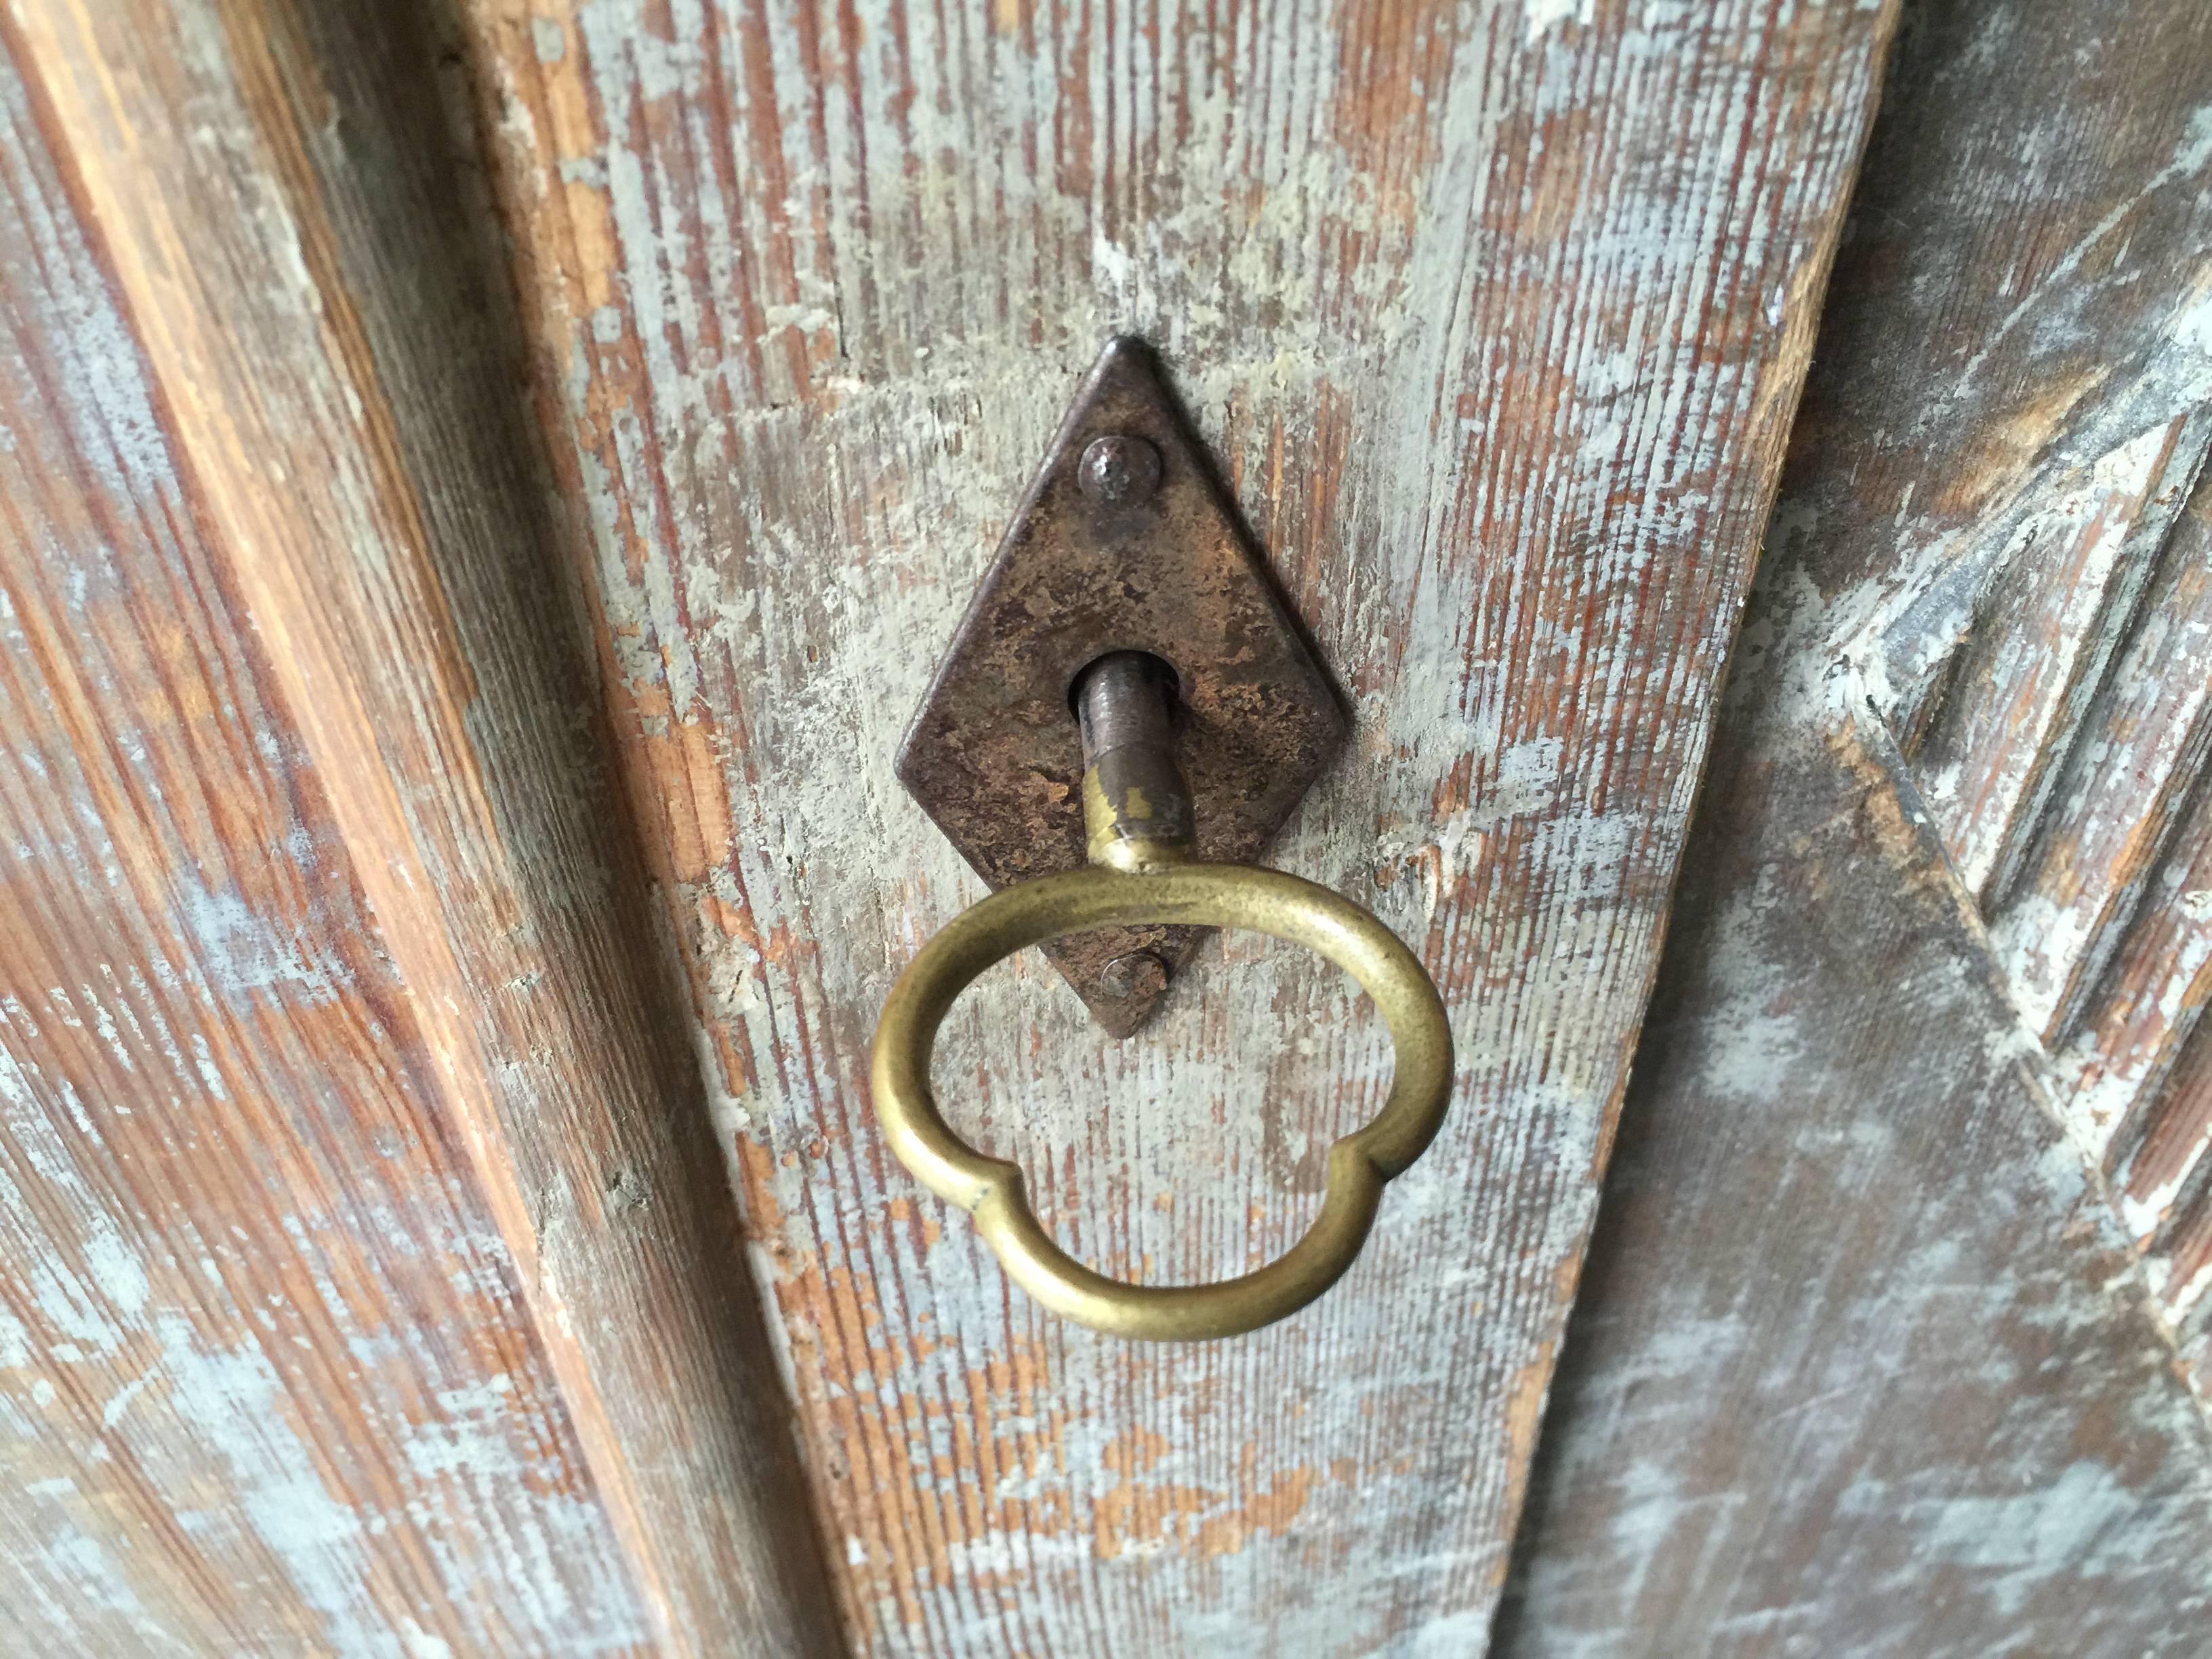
(1119, 471)
(1139, 974)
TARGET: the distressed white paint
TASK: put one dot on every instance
(1872, 1371)
(248, 1353)
(856, 291)
(2104, 762)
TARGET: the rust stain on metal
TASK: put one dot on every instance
(1125, 542)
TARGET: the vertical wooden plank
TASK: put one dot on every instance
(367, 551)
(1498, 314)
(1865, 1360)
(267, 1382)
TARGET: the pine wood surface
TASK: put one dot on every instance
(376, 1276)
(1496, 315)
(1866, 1359)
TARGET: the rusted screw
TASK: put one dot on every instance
(1139, 974)
(1119, 471)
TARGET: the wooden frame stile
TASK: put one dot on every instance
(1940, 947)
(1497, 316)
(379, 1268)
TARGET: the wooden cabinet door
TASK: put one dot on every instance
(1899, 1291)
(486, 485)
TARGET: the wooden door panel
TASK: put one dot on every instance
(255, 1307)
(1867, 1360)
(484, 483)
(370, 1250)
(1497, 316)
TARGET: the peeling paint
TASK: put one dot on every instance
(1449, 346)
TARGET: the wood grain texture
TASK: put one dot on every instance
(374, 1279)
(2105, 932)
(1496, 314)
(2058, 729)
(2086, 874)
(254, 1313)
(257, 1314)
(1865, 1361)
(2180, 1244)
(2010, 705)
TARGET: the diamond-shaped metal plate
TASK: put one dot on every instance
(993, 755)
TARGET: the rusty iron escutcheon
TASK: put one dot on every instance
(1125, 542)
